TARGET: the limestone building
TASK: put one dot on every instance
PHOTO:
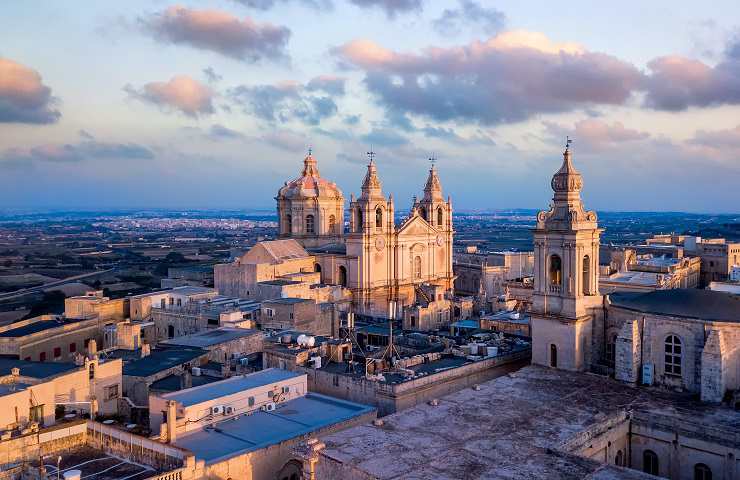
(679, 338)
(382, 264)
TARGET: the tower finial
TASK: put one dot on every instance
(433, 160)
(310, 150)
(371, 154)
(568, 142)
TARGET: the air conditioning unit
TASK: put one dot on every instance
(244, 361)
(217, 410)
(286, 389)
(196, 371)
(269, 407)
(228, 410)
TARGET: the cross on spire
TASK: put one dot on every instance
(310, 151)
(371, 154)
(568, 142)
(433, 160)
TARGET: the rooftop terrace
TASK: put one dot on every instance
(211, 337)
(261, 429)
(230, 386)
(514, 427)
(162, 359)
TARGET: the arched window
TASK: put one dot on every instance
(317, 268)
(423, 213)
(553, 356)
(702, 472)
(619, 459)
(440, 217)
(358, 227)
(673, 355)
(342, 276)
(332, 224)
(417, 267)
(556, 270)
(309, 224)
(586, 275)
(288, 223)
(378, 217)
(650, 462)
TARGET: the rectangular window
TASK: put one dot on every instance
(42, 357)
(57, 352)
(111, 392)
(72, 347)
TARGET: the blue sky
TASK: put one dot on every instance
(208, 105)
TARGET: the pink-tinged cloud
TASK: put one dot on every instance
(23, 97)
(677, 83)
(286, 140)
(181, 93)
(217, 31)
(593, 134)
(508, 78)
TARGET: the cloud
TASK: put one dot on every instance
(390, 7)
(449, 135)
(327, 83)
(288, 101)
(268, 4)
(66, 153)
(219, 32)
(593, 134)
(728, 139)
(453, 21)
(286, 140)
(676, 83)
(179, 93)
(219, 132)
(211, 75)
(385, 138)
(85, 134)
(23, 98)
(508, 78)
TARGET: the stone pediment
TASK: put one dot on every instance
(416, 226)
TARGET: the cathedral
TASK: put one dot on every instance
(383, 264)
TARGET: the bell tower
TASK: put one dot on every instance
(370, 240)
(566, 300)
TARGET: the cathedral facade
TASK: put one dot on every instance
(382, 263)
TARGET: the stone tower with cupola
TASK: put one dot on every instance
(566, 302)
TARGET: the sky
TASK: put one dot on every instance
(204, 105)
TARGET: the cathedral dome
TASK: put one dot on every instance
(309, 184)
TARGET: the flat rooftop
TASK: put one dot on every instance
(279, 282)
(515, 426)
(172, 383)
(162, 359)
(286, 301)
(35, 369)
(212, 391)
(684, 302)
(213, 337)
(290, 419)
(38, 326)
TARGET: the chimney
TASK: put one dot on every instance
(171, 421)
(92, 347)
(15, 371)
(145, 350)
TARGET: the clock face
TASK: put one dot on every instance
(380, 243)
(440, 240)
